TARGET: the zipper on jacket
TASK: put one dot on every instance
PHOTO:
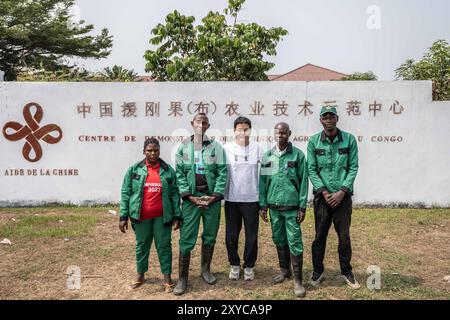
(142, 196)
(295, 185)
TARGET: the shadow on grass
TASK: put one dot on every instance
(397, 282)
(389, 282)
(262, 287)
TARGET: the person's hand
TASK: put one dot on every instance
(263, 214)
(336, 198)
(123, 225)
(176, 224)
(300, 216)
(327, 196)
(205, 201)
(194, 200)
(209, 200)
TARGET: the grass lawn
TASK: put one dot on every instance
(411, 246)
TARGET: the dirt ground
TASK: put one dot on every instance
(411, 247)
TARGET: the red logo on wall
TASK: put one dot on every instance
(32, 132)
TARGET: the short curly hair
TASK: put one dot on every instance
(151, 140)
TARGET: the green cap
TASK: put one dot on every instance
(328, 109)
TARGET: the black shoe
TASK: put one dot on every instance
(351, 281)
(183, 274)
(316, 278)
(207, 254)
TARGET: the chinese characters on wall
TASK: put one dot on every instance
(279, 108)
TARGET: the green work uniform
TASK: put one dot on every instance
(214, 170)
(157, 228)
(146, 231)
(283, 189)
(333, 165)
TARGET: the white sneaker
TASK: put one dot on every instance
(249, 274)
(234, 272)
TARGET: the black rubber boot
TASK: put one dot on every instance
(183, 274)
(207, 254)
(297, 267)
(285, 265)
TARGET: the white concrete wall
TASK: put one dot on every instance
(413, 171)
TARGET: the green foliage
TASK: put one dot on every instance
(76, 74)
(435, 66)
(213, 50)
(40, 33)
(361, 76)
(72, 74)
(118, 73)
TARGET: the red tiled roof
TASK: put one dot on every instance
(143, 79)
(272, 76)
(309, 72)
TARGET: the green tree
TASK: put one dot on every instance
(118, 73)
(435, 66)
(76, 74)
(40, 34)
(214, 50)
(64, 74)
(73, 74)
(360, 76)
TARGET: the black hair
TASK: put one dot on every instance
(151, 140)
(242, 120)
(201, 114)
(283, 124)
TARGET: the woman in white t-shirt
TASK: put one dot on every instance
(241, 198)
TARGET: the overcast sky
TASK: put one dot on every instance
(343, 35)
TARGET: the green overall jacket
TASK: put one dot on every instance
(133, 190)
(283, 183)
(215, 168)
(332, 166)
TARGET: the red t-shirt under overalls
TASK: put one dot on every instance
(152, 198)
